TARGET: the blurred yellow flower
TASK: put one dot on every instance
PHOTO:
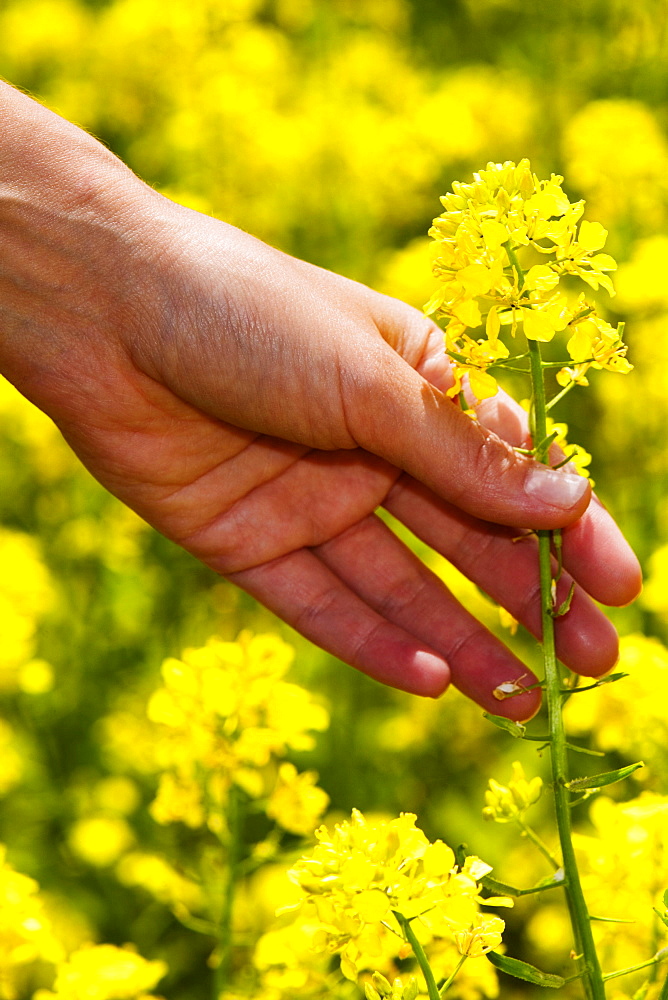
(296, 803)
(25, 932)
(100, 840)
(625, 873)
(154, 874)
(26, 593)
(105, 972)
(224, 713)
(507, 803)
(628, 715)
(616, 154)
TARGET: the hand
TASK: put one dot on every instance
(257, 410)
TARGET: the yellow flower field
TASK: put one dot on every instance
(168, 748)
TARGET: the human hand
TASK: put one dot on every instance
(257, 410)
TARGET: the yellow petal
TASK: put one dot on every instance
(475, 279)
(493, 324)
(592, 236)
(580, 344)
(494, 234)
(537, 325)
(483, 385)
(467, 312)
(438, 859)
(603, 262)
(541, 277)
(372, 905)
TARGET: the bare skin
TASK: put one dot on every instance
(258, 410)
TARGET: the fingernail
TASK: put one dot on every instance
(432, 672)
(558, 489)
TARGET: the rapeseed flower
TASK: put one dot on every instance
(506, 803)
(485, 245)
(25, 931)
(105, 972)
(296, 802)
(364, 879)
(225, 713)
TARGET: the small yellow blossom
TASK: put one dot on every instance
(100, 840)
(25, 932)
(482, 936)
(105, 972)
(154, 874)
(507, 803)
(296, 803)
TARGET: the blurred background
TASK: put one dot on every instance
(328, 128)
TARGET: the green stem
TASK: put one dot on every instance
(233, 843)
(663, 995)
(451, 978)
(577, 906)
(535, 839)
(560, 395)
(418, 951)
(636, 968)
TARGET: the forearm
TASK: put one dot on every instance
(66, 205)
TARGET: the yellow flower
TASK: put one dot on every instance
(593, 344)
(480, 243)
(224, 714)
(105, 972)
(363, 873)
(100, 840)
(296, 803)
(152, 873)
(482, 936)
(25, 932)
(506, 804)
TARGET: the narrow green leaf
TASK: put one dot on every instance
(665, 899)
(522, 970)
(515, 729)
(546, 442)
(461, 854)
(610, 679)
(611, 920)
(607, 778)
(502, 889)
(586, 750)
(565, 606)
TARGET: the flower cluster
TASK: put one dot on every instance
(365, 881)
(25, 931)
(105, 972)
(485, 241)
(225, 715)
(505, 803)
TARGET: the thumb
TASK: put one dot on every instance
(400, 416)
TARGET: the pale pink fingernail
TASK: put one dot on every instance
(555, 488)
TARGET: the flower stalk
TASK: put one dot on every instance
(420, 956)
(580, 919)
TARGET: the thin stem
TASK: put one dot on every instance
(234, 818)
(535, 839)
(451, 978)
(418, 951)
(663, 995)
(560, 395)
(577, 906)
(659, 957)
